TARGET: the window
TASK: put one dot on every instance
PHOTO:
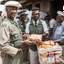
(37, 5)
(29, 7)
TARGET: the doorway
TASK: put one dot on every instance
(53, 8)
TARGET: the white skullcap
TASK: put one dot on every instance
(13, 3)
(60, 13)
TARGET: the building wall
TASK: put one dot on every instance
(44, 5)
(48, 5)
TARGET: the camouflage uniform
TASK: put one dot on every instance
(10, 42)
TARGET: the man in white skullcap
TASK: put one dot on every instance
(59, 32)
(11, 36)
(60, 23)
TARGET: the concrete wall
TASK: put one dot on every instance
(44, 5)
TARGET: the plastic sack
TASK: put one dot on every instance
(49, 55)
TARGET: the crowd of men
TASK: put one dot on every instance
(14, 47)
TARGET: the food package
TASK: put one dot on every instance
(46, 44)
(34, 37)
(49, 52)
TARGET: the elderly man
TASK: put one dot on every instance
(11, 36)
(59, 32)
(36, 26)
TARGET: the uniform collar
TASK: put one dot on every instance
(36, 21)
(12, 21)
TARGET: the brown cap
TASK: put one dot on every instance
(35, 8)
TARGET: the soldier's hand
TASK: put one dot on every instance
(26, 36)
(26, 41)
(32, 43)
(19, 50)
(29, 42)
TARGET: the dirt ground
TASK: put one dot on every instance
(23, 62)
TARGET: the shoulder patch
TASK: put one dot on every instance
(3, 25)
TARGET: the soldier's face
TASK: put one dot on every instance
(36, 15)
(11, 11)
(23, 17)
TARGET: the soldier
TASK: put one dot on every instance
(11, 36)
(22, 22)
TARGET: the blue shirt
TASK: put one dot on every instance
(59, 33)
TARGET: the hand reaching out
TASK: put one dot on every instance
(19, 50)
(29, 42)
(26, 36)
